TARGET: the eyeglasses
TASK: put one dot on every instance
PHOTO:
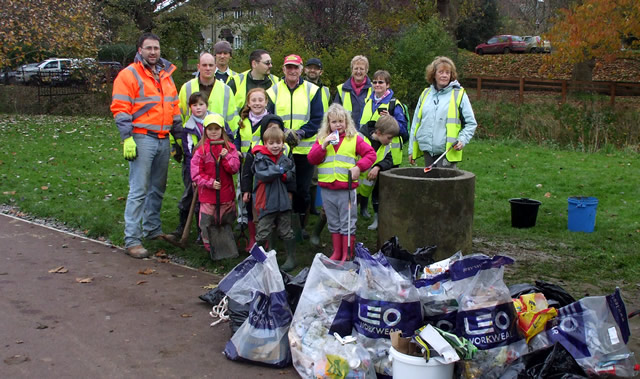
(267, 63)
(378, 82)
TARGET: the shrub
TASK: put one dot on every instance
(410, 56)
(119, 52)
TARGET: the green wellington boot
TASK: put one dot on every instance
(290, 263)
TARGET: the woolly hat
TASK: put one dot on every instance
(222, 47)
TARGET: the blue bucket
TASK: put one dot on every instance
(582, 213)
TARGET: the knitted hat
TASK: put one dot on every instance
(222, 47)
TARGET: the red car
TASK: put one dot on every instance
(503, 44)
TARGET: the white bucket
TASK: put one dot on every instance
(409, 367)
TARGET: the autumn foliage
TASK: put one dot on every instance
(35, 28)
(594, 29)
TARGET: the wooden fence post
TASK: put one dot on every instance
(521, 94)
(478, 87)
(612, 87)
(564, 91)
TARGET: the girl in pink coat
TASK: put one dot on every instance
(214, 162)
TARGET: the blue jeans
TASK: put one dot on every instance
(147, 183)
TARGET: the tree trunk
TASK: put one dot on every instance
(583, 71)
(185, 62)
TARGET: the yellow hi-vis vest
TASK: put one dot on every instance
(336, 164)
(240, 80)
(366, 186)
(294, 109)
(369, 115)
(453, 124)
(325, 98)
(248, 139)
(345, 97)
(221, 101)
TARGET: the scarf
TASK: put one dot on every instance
(358, 87)
(377, 100)
(199, 122)
(255, 118)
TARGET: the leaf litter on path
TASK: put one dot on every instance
(146, 271)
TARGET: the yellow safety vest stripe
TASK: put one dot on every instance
(240, 96)
(294, 109)
(336, 164)
(221, 101)
(453, 124)
(369, 115)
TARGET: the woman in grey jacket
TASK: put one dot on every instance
(443, 117)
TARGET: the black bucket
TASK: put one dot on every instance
(524, 212)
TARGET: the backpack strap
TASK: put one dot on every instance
(392, 106)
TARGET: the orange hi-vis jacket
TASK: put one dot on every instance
(142, 104)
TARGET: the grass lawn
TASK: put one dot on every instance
(71, 169)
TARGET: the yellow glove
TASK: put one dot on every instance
(130, 150)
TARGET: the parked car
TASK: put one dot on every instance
(7, 76)
(502, 44)
(50, 70)
(111, 70)
(20, 72)
(88, 70)
(535, 44)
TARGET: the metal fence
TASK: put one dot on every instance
(59, 83)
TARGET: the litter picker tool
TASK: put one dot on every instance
(427, 169)
(349, 185)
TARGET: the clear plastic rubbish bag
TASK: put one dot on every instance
(317, 316)
(486, 315)
(439, 301)
(595, 330)
(385, 302)
(262, 338)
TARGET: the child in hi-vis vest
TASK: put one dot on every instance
(336, 152)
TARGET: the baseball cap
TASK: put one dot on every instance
(314, 61)
(213, 118)
(293, 59)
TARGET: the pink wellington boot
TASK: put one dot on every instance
(336, 238)
(348, 254)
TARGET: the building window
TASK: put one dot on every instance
(222, 15)
(253, 13)
(237, 42)
(270, 12)
(237, 14)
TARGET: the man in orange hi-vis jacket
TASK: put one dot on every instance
(145, 109)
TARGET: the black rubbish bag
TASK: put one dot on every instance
(553, 362)
(422, 257)
(213, 297)
(556, 296)
(555, 293)
(237, 312)
(294, 286)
